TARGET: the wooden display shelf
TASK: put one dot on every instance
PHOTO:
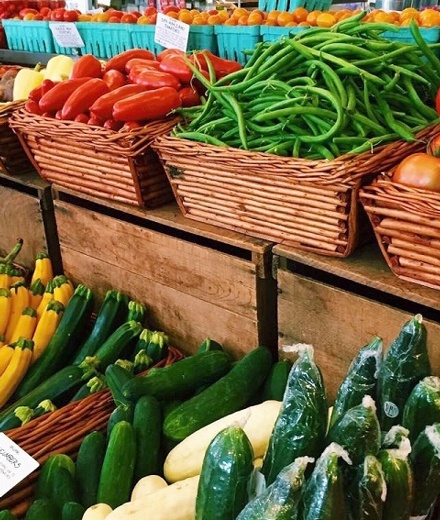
(27, 212)
(196, 280)
(338, 305)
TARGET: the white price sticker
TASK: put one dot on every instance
(66, 34)
(15, 464)
(171, 33)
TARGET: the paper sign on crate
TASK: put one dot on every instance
(15, 464)
(171, 33)
(66, 34)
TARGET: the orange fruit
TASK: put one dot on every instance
(230, 21)
(255, 18)
(429, 18)
(325, 20)
(291, 24)
(383, 17)
(272, 17)
(300, 14)
(224, 15)
(284, 18)
(303, 24)
(214, 19)
(84, 17)
(312, 17)
(238, 12)
(243, 20)
(185, 16)
(198, 20)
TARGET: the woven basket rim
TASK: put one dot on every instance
(7, 109)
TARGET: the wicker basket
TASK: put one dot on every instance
(307, 204)
(406, 222)
(61, 431)
(12, 157)
(115, 165)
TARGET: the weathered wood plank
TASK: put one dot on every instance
(187, 319)
(338, 323)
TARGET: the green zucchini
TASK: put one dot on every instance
(405, 364)
(123, 412)
(225, 476)
(367, 491)
(93, 385)
(45, 480)
(276, 382)
(323, 496)
(42, 509)
(116, 377)
(115, 481)
(111, 315)
(5, 514)
(142, 361)
(422, 407)
(157, 348)
(72, 511)
(63, 487)
(62, 344)
(142, 343)
(181, 378)
(209, 344)
(136, 311)
(425, 461)
(54, 387)
(227, 395)
(24, 414)
(300, 427)
(360, 379)
(358, 431)
(281, 500)
(88, 467)
(147, 423)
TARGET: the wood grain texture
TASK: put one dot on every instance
(338, 323)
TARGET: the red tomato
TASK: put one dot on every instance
(170, 8)
(70, 16)
(419, 170)
(114, 19)
(44, 11)
(128, 18)
(150, 11)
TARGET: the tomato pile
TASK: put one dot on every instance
(18, 8)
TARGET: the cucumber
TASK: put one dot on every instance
(281, 500)
(422, 407)
(111, 315)
(360, 379)
(276, 382)
(123, 412)
(147, 423)
(425, 461)
(57, 385)
(72, 511)
(5, 514)
(300, 427)
(116, 377)
(181, 378)
(358, 431)
(88, 467)
(227, 395)
(63, 487)
(323, 496)
(405, 364)
(115, 481)
(42, 509)
(209, 344)
(225, 476)
(62, 344)
(45, 480)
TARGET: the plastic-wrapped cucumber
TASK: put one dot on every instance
(422, 407)
(396, 438)
(405, 364)
(323, 495)
(399, 481)
(358, 431)
(360, 379)
(299, 430)
(281, 500)
(425, 460)
(367, 491)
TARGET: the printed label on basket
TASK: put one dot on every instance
(171, 33)
(66, 34)
(15, 464)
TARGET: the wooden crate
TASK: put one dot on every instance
(339, 305)
(26, 211)
(196, 280)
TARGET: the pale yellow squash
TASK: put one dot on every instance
(147, 485)
(97, 512)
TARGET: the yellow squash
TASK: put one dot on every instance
(6, 353)
(25, 325)
(16, 369)
(46, 327)
(47, 297)
(5, 308)
(20, 300)
(36, 291)
(43, 269)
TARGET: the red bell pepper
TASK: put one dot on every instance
(221, 66)
(147, 106)
(189, 96)
(82, 118)
(152, 79)
(32, 107)
(169, 52)
(87, 66)
(114, 79)
(55, 98)
(103, 106)
(119, 61)
(83, 98)
(138, 62)
(37, 93)
(175, 64)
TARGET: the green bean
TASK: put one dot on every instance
(270, 129)
(427, 111)
(210, 125)
(374, 141)
(201, 138)
(332, 80)
(368, 123)
(292, 111)
(430, 55)
(348, 49)
(367, 104)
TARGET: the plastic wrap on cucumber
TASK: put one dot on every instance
(367, 491)
(398, 477)
(281, 500)
(422, 407)
(397, 437)
(425, 460)
(405, 363)
(358, 431)
(323, 494)
(360, 379)
(299, 430)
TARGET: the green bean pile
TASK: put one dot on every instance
(321, 94)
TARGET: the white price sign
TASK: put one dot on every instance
(66, 34)
(15, 464)
(171, 33)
